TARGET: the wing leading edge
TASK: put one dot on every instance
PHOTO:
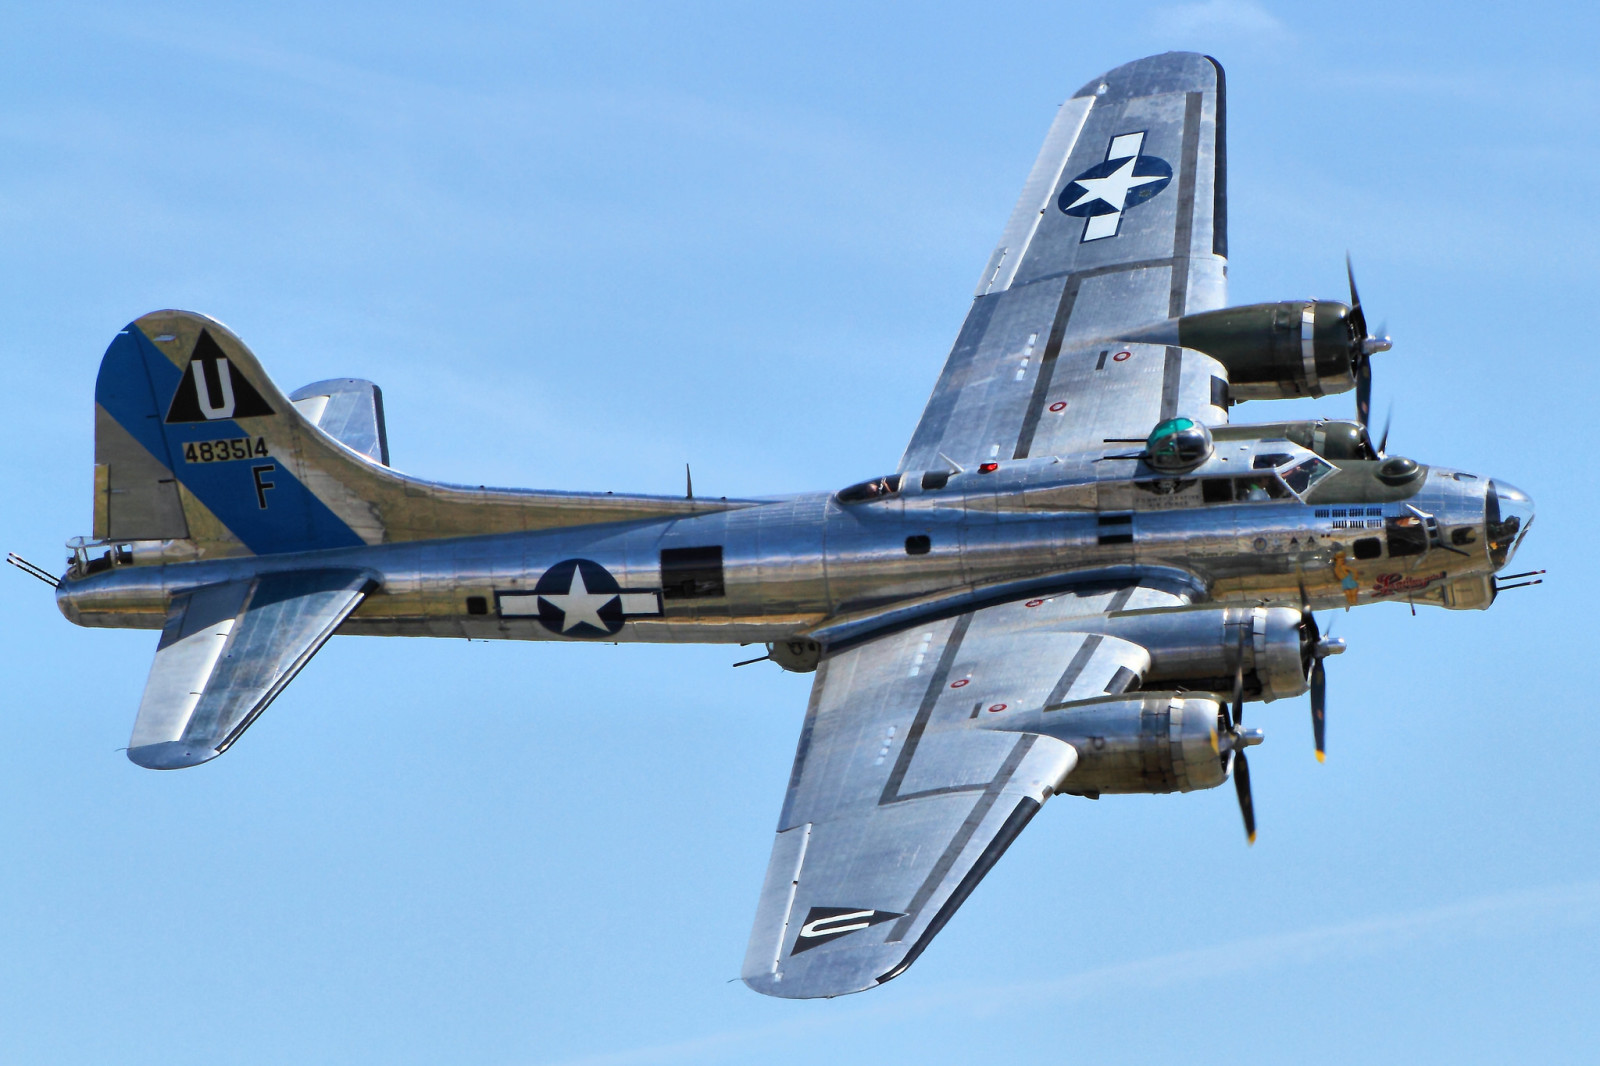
(1121, 223)
(904, 794)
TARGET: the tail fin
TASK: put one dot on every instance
(193, 442)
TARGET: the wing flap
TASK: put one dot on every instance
(226, 652)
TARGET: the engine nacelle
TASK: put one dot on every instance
(1330, 438)
(1153, 742)
(1203, 648)
(1272, 351)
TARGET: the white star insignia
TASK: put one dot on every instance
(578, 605)
(1114, 187)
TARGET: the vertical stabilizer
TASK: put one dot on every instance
(195, 444)
(193, 441)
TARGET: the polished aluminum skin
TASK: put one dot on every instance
(1072, 583)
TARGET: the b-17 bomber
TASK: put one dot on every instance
(1076, 577)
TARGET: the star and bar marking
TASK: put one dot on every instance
(580, 598)
(1127, 178)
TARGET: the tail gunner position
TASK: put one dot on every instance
(1048, 595)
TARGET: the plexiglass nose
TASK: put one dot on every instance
(1508, 512)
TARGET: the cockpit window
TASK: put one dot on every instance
(1270, 461)
(1307, 474)
(1253, 489)
(1407, 536)
(877, 488)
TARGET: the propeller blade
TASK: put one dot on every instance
(1383, 441)
(1236, 711)
(1364, 391)
(1319, 709)
(1310, 632)
(1362, 345)
(1241, 785)
(1358, 318)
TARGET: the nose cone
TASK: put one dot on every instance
(1508, 512)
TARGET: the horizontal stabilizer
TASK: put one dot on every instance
(350, 411)
(227, 650)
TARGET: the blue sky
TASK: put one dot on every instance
(579, 247)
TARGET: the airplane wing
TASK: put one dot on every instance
(903, 796)
(1122, 223)
(226, 651)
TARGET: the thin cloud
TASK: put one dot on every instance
(1221, 20)
(1562, 905)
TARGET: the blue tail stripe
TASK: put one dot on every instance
(123, 389)
(258, 499)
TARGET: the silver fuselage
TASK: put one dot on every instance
(811, 566)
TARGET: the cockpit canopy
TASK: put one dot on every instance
(874, 489)
(1177, 444)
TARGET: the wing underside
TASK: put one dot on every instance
(904, 794)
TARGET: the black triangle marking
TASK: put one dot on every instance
(823, 924)
(228, 393)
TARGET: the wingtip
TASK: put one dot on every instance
(170, 755)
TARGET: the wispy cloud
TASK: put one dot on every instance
(1563, 905)
(1221, 19)
(300, 75)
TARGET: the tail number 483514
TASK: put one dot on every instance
(222, 451)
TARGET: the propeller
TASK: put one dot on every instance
(1233, 740)
(1362, 347)
(1241, 785)
(1319, 693)
(1317, 648)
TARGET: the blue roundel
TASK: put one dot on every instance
(1086, 194)
(579, 598)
